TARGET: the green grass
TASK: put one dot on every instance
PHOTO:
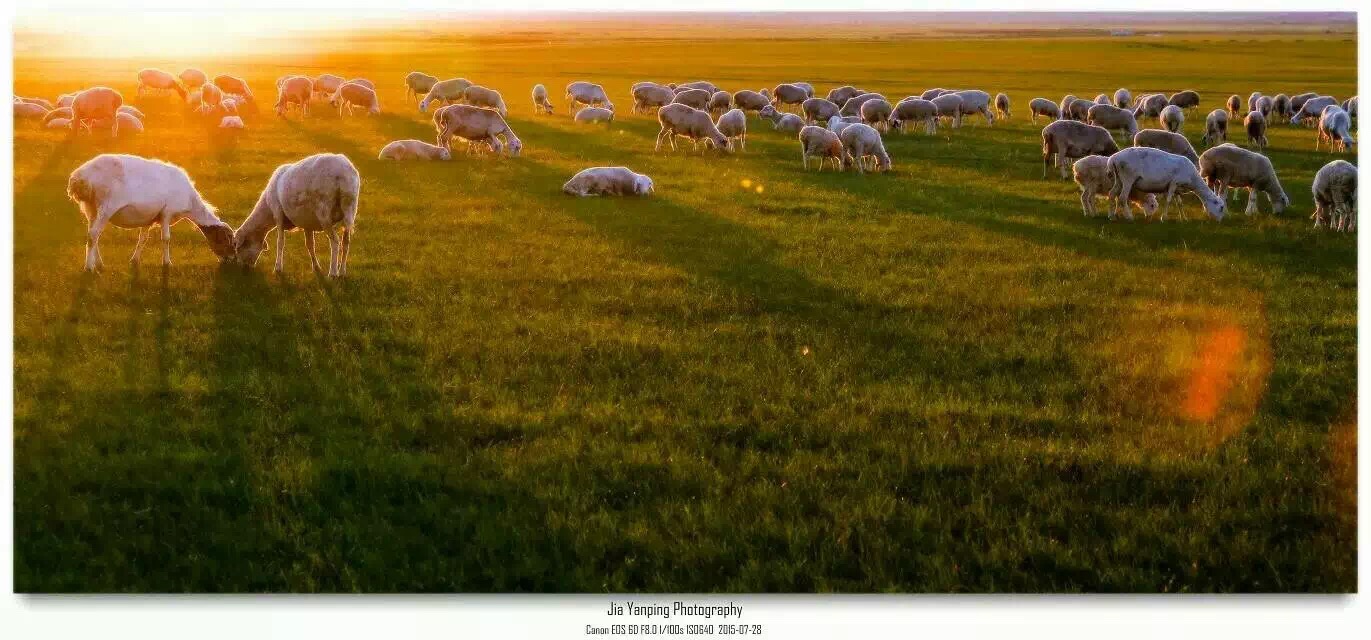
(940, 379)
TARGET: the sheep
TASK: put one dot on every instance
(1234, 105)
(808, 88)
(860, 143)
(1350, 106)
(750, 101)
(876, 112)
(65, 100)
(1252, 100)
(315, 194)
(232, 122)
(541, 103)
(210, 95)
(418, 83)
(1264, 105)
(930, 94)
(1092, 176)
(128, 123)
(1335, 196)
(97, 104)
(608, 181)
(836, 124)
(787, 122)
(351, 94)
(445, 91)
(853, 106)
(819, 109)
(950, 106)
(413, 150)
(1297, 101)
(1111, 117)
(57, 123)
(131, 192)
(60, 113)
(1166, 141)
(230, 84)
(1312, 109)
(844, 93)
(683, 120)
(479, 96)
(1280, 106)
(476, 124)
(193, 78)
(974, 101)
(1103, 98)
(821, 143)
(589, 94)
(1148, 170)
(1064, 107)
(652, 96)
(719, 102)
(1122, 98)
(1334, 127)
(696, 98)
(296, 90)
(131, 110)
(1002, 106)
(38, 101)
(1150, 106)
(158, 80)
(915, 110)
(1229, 166)
(594, 114)
(1080, 109)
(785, 94)
(1186, 100)
(364, 82)
(26, 110)
(1067, 140)
(1043, 107)
(1255, 125)
(1172, 118)
(1215, 127)
(327, 84)
(698, 84)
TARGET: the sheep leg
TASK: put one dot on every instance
(138, 246)
(280, 246)
(1170, 193)
(93, 240)
(1251, 201)
(804, 158)
(332, 252)
(309, 248)
(345, 250)
(1087, 200)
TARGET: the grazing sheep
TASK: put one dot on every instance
(413, 150)
(232, 122)
(38, 101)
(808, 88)
(720, 102)
(1064, 107)
(785, 94)
(446, 91)
(541, 103)
(1002, 106)
(1297, 101)
(1280, 107)
(787, 122)
(131, 110)
(950, 106)
(589, 94)
(327, 84)
(26, 110)
(157, 80)
(750, 101)
(1252, 100)
(1334, 126)
(230, 84)
(418, 83)
(364, 82)
(193, 78)
(1313, 108)
(1167, 141)
(1122, 98)
(594, 114)
(128, 123)
(475, 124)
(1148, 170)
(1234, 105)
(915, 110)
(1043, 107)
(683, 120)
(351, 94)
(1067, 140)
(479, 96)
(314, 195)
(836, 124)
(1229, 166)
(930, 94)
(652, 96)
(819, 109)
(853, 106)
(1092, 176)
(210, 96)
(608, 181)
(1111, 117)
(862, 143)
(136, 193)
(1150, 106)
(975, 101)
(1080, 109)
(1335, 196)
(60, 113)
(696, 98)
(1172, 118)
(1215, 127)
(876, 112)
(96, 105)
(821, 143)
(1186, 100)
(1350, 106)
(296, 90)
(1264, 105)
(1103, 98)
(57, 123)
(698, 84)
(65, 100)
(1255, 125)
(844, 93)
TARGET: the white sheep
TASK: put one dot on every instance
(1172, 118)
(26, 110)
(1265, 105)
(1312, 108)
(682, 120)
(821, 143)
(1186, 100)
(1111, 117)
(734, 127)
(698, 84)
(790, 93)
(853, 106)
(608, 181)
(1064, 107)
(1092, 176)
(418, 83)
(315, 194)
(862, 143)
(696, 98)
(1002, 106)
(876, 112)
(1350, 106)
(158, 80)
(1297, 101)
(210, 96)
(57, 123)
(296, 90)
(914, 109)
(476, 124)
(96, 105)
(131, 110)
(786, 122)
(60, 113)
(230, 84)
(950, 106)
(648, 96)
(1122, 98)
(1103, 98)
(589, 94)
(136, 193)
(1280, 107)
(1167, 141)
(1335, 196)
(479, 96)
(1043, 107)
(1235, 106)
(232, 122)
(836, 124)
(720, 102)
(1148, 170)
(327, 84)
(128, 123)
(351, 94)
(38, 101)
(1229, 166)
(413, 150)
(541, 103)
(748, 100)
(1067, 140)
(1252, 100)
(1215, 127)
(1255, 125)
(1334, 127)
(1150, 106)
(594, 114)
(818, 109)
(844, 93)
(447, 92)
(193, 78)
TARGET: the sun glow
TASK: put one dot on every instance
(167, 34)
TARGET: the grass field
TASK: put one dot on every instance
(759, 379)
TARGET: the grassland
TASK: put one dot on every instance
(940, 379)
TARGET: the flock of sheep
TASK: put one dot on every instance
(320, 193)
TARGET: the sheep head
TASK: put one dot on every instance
(221, 240)
(248, 246)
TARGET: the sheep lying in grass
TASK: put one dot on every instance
(136, 193)
(1215, 127)
(150, 80)
(475, 124)
(1172, 118)
(413, 150)
(1067, 140)
(915, 110)
(1255, 124)
(862, 145)
(608, 181)
(478, 96)
(1092, 176)
(418, 83)
(541, 103)
(96, 105)
(594, 114)
(1043, 107)
(1335, 196)
(295, 90)
(818, 110)
(818, 142)
(1148, 170)
(315, 195)
(446, 91)
(1334, 127)
(1229, 166)
(1167, 141)
(588, 94)
(682, 120)
(1113, 118)
(352, 94)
